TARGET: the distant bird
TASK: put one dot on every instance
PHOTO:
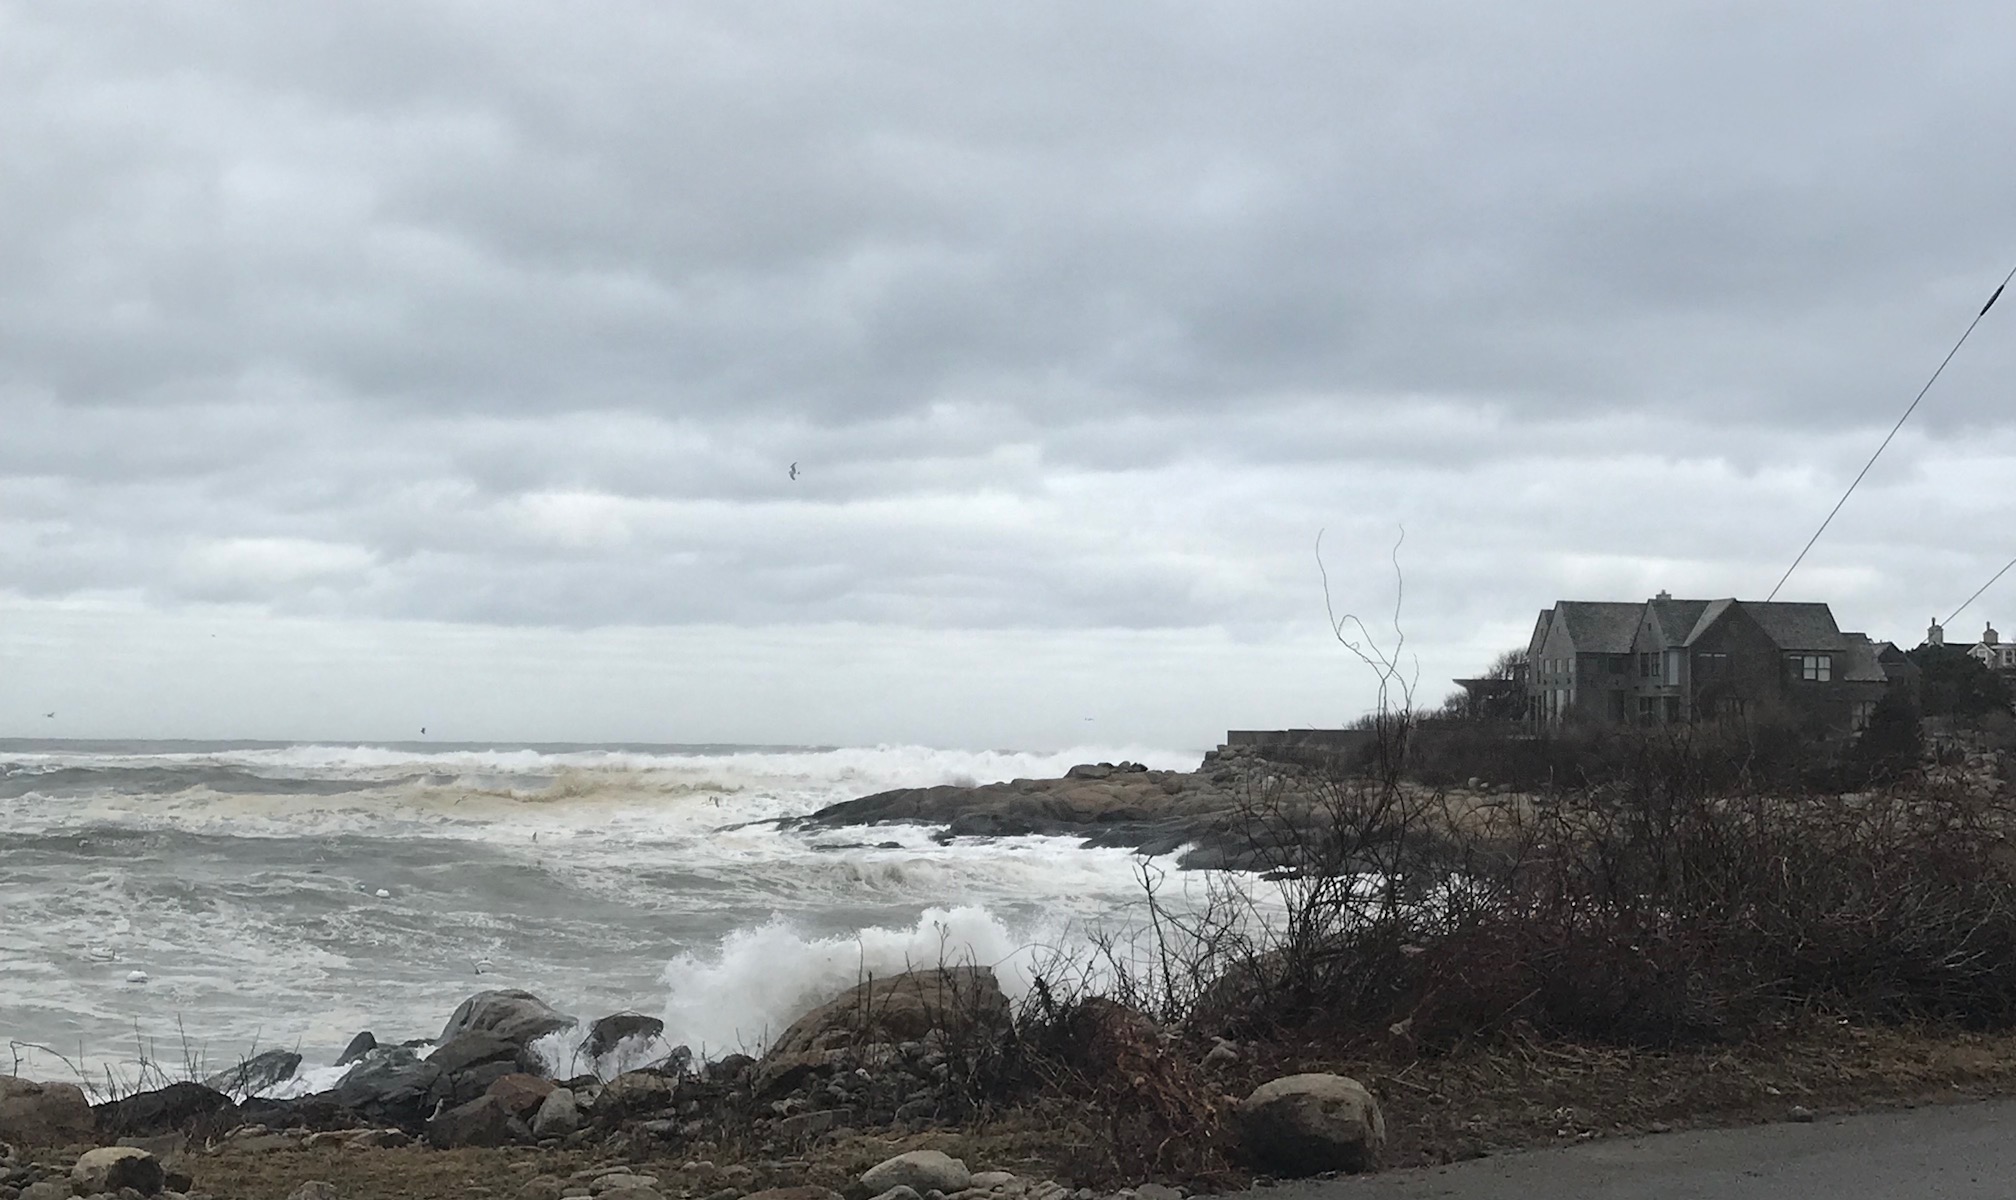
(423, 729)
(794, 470)
(49, 714)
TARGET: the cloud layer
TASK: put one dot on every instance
(1079, 323)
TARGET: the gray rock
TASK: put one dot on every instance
(481, 1122)
(109, 1168)
(43, 1114)
(923, 1170)
(177, 1108)
(620, 1180)
(541, 1187)
(47, 1189)
(606, 1032)
(255, 1074)
(314, 1189)
(1157, 1191)
(359, 1046)
(901, 1191)
(1306, 1124)
(515, 1016)
(558, 1115)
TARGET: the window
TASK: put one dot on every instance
(1864, 709)
(1645, 709)
(1648, 665)
(1711, 666)
(1814, 668)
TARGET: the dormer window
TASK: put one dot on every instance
(1814, 668)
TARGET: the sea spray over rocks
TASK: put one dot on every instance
(577, 873)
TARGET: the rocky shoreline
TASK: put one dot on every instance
(1207, 814)
(903, 1054)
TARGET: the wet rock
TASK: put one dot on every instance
(961, 1001)
(1306, 1124)
(606, 1032)
(510, 1015)
(481, 1122)
(922, 1170)
(392, 1085)
(109, 1168)
(558, 1115)
(634, 1093)
(177, 1108)
(256, 1074)
(43, 1114)
(521, 1095)
(359, 1046)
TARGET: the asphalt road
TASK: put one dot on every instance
(1949, 1150)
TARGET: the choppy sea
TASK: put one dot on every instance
(193, 903)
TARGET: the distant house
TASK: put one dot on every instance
(1665, 661)
(1991, 651)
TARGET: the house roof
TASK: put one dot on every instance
(1599, 626)
(1858, 662)
(1798, 626)
(1676, 617)
(1711, 612)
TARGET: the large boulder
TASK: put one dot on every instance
(1306, 1124)
(508, 1014)
(606, 1032)
(955, 1001)
(178, 1108)
(558, 1115)
(923, 1171)
(521, 1095)
(256, 1074)
(361, 1045)
(43, 1114)
(483, 1121)
(109, 1168)
(392, 1086)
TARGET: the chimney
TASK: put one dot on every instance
(1663, 595)
(1936, 635)
(1988, 636)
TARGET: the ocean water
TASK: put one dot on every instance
(189, 903)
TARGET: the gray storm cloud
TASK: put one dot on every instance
(508, 315)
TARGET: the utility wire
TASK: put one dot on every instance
(1977, 592)
(1893, 433)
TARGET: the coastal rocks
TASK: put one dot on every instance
(868, 1023)
(359, 1046)
(43, 1114)
(521, 1095)
(1306, 1124)
(508, 1014)
(901, 1008)
(314, 1189)
(392, 1085)
(558, 1115)
(178, 1108)
(1124, 805)
(923, 1171)
(111, 1168)
(256, 1074)
(606, 1032)
(483, 1121)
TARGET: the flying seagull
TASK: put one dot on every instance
(48, 714)
(794, 470)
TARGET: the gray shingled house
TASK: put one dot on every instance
(1666, 660)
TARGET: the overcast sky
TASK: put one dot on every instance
(378, 365)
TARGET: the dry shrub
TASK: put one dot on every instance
(1161, 1118)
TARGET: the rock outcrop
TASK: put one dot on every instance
(43, 1114)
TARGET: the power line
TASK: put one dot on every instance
(1893, 433)
(1977, 592)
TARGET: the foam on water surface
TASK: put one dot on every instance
(292, 895)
